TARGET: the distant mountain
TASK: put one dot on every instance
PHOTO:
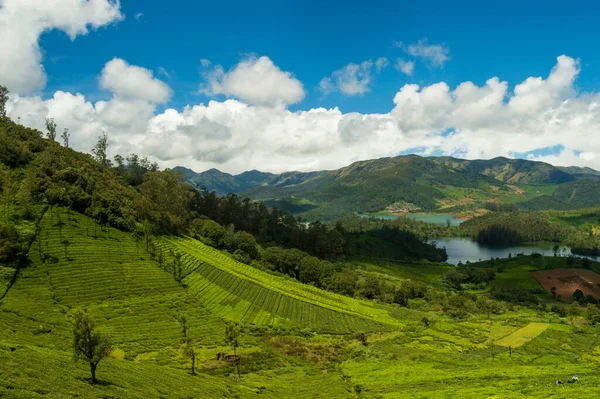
(580, 172)
(512, 171)
(224, 183)
(409, 182)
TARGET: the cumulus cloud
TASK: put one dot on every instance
(132, 81)
(435, 55)
(468, 120)
(256, 81)
(407, 67)
(22, 22)
(352, 79)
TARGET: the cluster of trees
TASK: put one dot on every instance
(271, 226)
(469, 277)
(509, 228)
(241, 244)
(12, 244)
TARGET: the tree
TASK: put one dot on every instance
(3, 100)
(553, 291)
(232, 336)
(190, 352)
(65, 137)
(89, 344)
(100, 150)
(51, 128)
(578, 296)
(556, 250)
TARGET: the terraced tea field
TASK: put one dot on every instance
(141, 307)
(240, 292)
(523, 335)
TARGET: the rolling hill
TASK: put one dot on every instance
(116, 242)
(412, 183)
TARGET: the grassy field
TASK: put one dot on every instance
(523, 335)
(297, 342)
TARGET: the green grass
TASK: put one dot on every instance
(236, 291)
(139, 304)
(523, 335)
(397, 367)
(430, 273)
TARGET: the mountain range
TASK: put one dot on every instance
(412, 183)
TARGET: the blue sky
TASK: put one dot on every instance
(509, 39)
(277, 85)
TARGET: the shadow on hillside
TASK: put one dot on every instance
(99, 382)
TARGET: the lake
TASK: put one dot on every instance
(465, 249)
(434, 218)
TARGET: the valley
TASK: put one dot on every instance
(358, 307)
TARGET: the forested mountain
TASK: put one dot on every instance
(511, 171)
(411, 183)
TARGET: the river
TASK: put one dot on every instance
(465, 249)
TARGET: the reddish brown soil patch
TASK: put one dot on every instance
(516, 190)
(567, 281)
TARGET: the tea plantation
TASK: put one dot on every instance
(297, 341)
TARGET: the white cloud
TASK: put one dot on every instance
(256, 81)
(381, 63)
(536, 93)
(352, 79)
(22, 22)
(434, 54)
(133, 82)
(468, 120)
(139, 16)
(407, 67)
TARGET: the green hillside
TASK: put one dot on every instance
(323, 311)
(140, 306)
(412, 183)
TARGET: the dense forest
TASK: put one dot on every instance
(509, 228)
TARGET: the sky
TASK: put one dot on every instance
(302, 85)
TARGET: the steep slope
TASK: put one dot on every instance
(75, 263)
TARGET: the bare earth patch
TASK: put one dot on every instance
(567, 281)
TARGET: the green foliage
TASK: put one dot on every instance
(3, 100)
(51, 129)
(89, 344)
(100, 150)
(65, 137)
(573, 195)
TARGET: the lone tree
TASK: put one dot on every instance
(579, 296)
(232, 336)
(89, 344)
(3, 100)
(65, 137)
(51, 128)
(190, 352)
(99, 150)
